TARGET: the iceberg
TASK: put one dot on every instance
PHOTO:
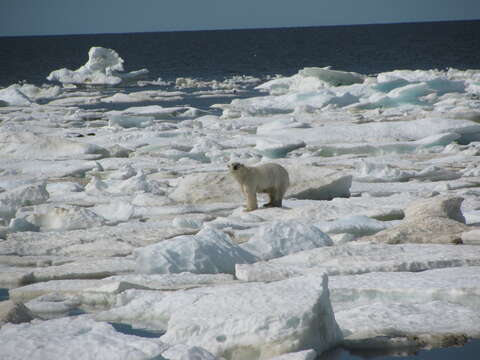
(104, 67)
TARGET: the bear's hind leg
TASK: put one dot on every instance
(271, 202)
(275, 200)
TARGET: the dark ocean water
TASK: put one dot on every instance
(209, 55)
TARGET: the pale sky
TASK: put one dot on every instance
(48, 17)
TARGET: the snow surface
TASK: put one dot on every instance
(116, 202)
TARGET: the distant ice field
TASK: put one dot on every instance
(207, 55)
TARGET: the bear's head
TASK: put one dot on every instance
(235, 166)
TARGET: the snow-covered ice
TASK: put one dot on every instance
(74, 338)
(253, 321)
(116, 203)
(208, 252)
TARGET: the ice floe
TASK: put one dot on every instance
(430, 303)
(235, 318)
(282, 238)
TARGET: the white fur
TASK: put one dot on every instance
(269, 178)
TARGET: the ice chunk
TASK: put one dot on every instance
(14, 312)
(76, 338)
(116, 241)
(285, 123)
(357, 225)
(435, 220)
(373, 172)
(311, 78)
(104, 67)
(123, 173)
(397, 147)
(28, 145)
(258, 320)
(183, 352)
(11, 201)
(332, 77)
(137, 183)
(75, 287)
(87, 269)
(317, 183)
(126, 121)
(248, 321)
(402, 304)
(471, 237)
(65, 217)
(207, 188)
(116, 211)
(281, 238)
(386, 131)
(179, 281)
(35, 93)
(209, 252)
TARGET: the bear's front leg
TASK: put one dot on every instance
(251, 201)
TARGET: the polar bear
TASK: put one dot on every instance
(269, 178)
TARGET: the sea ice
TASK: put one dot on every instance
(402, 304)
(104, 241)
(275, 149)
(59, 218)
(382, 158)
(371, 172)
(380, 132)
(435, 220)
(206, 188)
(311, 78)
(68, 287)
(299, 355)
(14, 199)
(183, 352)
(354, 258)
(14, 312)
(234, 329)
(254, 321)
(12, 96)
(317, 183)
(357, 225)
(28, 145)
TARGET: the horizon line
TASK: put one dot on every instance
(246, 28)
